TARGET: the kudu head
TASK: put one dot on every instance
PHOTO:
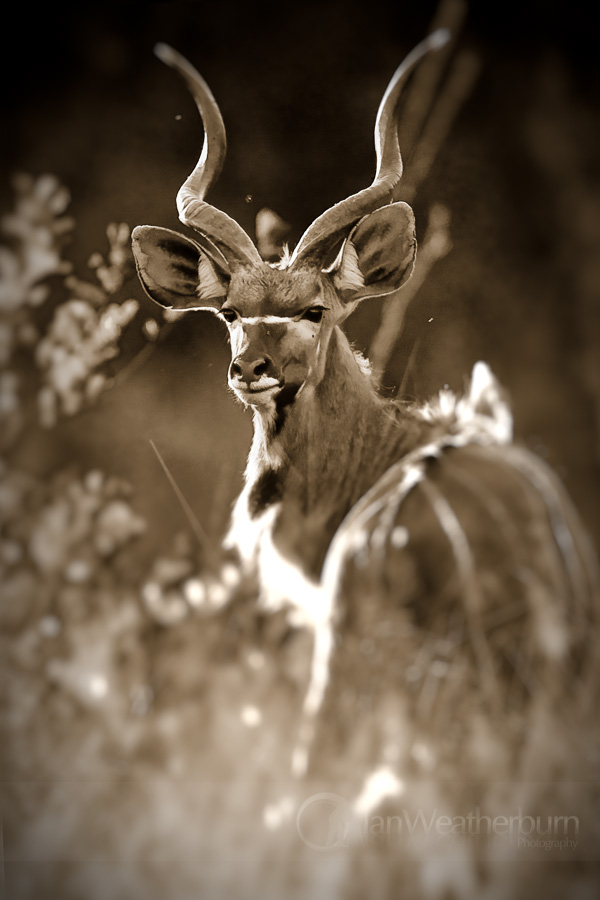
(281, 316)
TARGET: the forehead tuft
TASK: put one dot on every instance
(270, 292)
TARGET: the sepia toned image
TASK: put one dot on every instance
(299, 453)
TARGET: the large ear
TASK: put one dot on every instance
(175, 271)
(379, 254)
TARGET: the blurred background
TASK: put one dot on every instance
(113, 665)
(299, 91)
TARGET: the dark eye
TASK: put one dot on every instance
(314, 314)
(229, 315)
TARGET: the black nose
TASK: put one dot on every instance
(251, 370)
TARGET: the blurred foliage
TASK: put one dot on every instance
(130, 675)
(93, 683)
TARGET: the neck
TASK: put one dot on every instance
(334, 443)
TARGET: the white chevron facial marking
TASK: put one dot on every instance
(266, 320)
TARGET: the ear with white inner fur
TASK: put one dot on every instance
(378, 256)
(175, 271)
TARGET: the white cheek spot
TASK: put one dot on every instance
(236, 337)
(305, 329)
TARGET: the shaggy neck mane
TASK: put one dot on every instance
(331, 448)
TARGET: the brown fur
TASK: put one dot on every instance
(336, 443)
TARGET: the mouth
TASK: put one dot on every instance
(267, 391)
(259, 391)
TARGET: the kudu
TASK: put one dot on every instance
(374, 519)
